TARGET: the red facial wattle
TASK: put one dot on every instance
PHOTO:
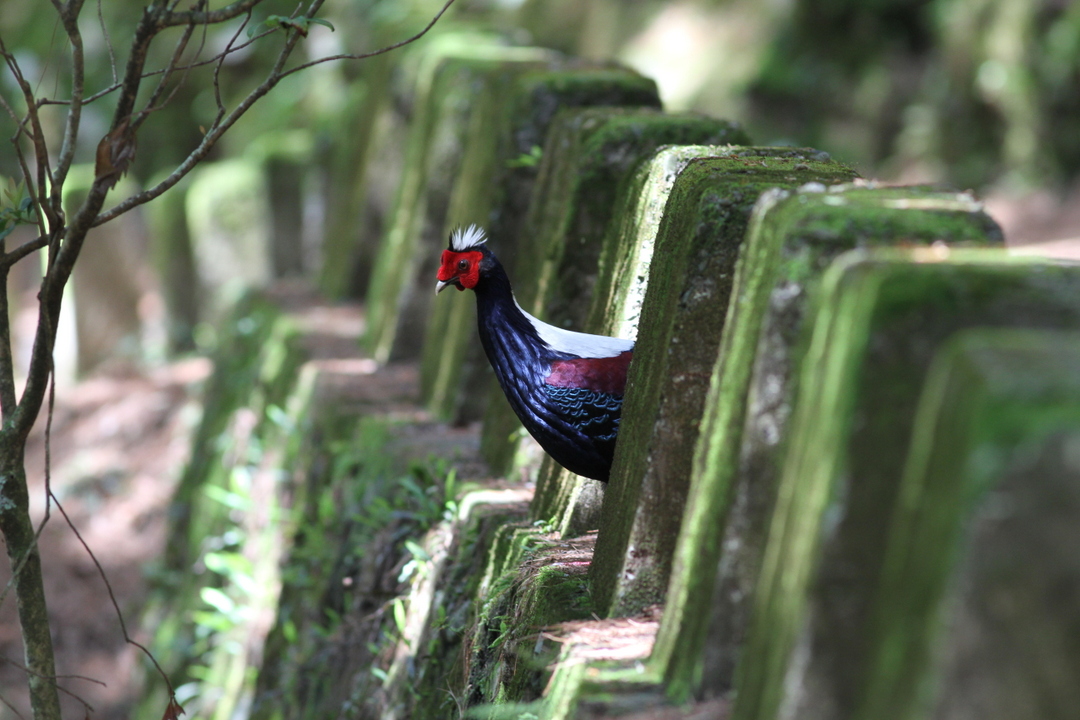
(462, 266)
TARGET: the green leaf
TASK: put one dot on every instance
(217, 599)
(399, 616)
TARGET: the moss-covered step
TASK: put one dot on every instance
(682, 319)
(979, 602)
(592, 158)
(449, 81)
(792, 239)
(507, 127)
(882, 319)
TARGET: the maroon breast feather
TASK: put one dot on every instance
(606, 375)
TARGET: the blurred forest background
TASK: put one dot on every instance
(975, 94)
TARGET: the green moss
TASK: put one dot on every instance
(682, 319)
(369, 527)
(228, 214)
(989, 424)
(793, 239)
(851, 431)
(174, 262)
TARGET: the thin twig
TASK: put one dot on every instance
(112, 597)
(221, 63)
(54, 678)
(373, 53)
(27, 670)
(170, 68)
(161, 71)
(108, 42)
(69, 17)
(10, 707)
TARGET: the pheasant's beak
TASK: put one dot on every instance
(440, 285)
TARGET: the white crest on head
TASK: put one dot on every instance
(465, 238)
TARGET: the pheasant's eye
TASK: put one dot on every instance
(462, 265)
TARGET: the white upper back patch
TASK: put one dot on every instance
(577, 343)
(465, 238)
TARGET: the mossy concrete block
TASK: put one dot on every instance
(882, 319)
(591, 156)
(286, 157)
(242, 447)
(449, 83)
(174, 262)
(228, 214)
(793, 237)
(682, 319)
(980, 572)
(510, 120)
(614, 309)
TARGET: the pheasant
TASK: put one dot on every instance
(566, 387)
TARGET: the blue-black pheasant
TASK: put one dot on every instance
(566, 387)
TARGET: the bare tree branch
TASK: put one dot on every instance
(108, 42)
(9, 259)
(36, 136)
(220, 125)
(221, 63)
(64, 236)
(179, 68)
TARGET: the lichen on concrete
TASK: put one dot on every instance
(853, 425)
(987, 500)
(682, 320)
(792, 240)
